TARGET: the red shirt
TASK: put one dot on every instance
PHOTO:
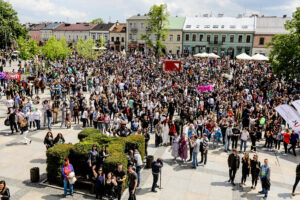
(286, 137)
(209, 126)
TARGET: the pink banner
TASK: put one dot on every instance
(205, 88)
(13, 76)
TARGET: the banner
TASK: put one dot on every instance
(290, 115)
(205, 88)
(297, 105)
(13, 76)
(172, 65)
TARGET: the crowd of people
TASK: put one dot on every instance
(122, 95)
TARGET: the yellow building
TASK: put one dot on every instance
(118, 37)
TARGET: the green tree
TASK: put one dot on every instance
(97, 21)
(55, 50)
(285, 53)
(10, 28)
(23, 48)
(85, 48)
(157, 25)
(34, 49)
(101, 42)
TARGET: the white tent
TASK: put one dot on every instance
(259, 57)
(243, 56)
(212, 55)
(201, 55)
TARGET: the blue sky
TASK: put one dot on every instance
(112, 10)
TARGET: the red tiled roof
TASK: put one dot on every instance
(75, 27)
(119, 28)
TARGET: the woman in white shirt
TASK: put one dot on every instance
(244, 138)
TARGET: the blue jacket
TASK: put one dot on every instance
(63, 170)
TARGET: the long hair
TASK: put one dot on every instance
(4, 188)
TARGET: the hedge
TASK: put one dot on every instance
(55, 159)
(86, 132)
(117, 147)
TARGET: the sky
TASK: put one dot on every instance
(72, 11)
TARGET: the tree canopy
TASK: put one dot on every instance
(157, 25)
(10, 28)
(97, 21)
(56, 50)
(85, 48)
(27, 48)
(285, 53)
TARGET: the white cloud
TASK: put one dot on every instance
(48, 9)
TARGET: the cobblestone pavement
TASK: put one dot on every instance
(179, 181)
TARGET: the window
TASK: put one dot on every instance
(93, 37)
(85, 37)
(216, 39)
(170, 51)
(171, 37)
(232, 38)
(130, 25)
(222, 26)
(248, 38)
(215, 26)
(261, 41)
(142, 25)
(112, 39)
(122, 39)
(188, 26)
(240, 38)
(134, 25)
(187, 37)
(273, 38)
(130, 36)
(232, 26)
(198, 26)
(201, 38)
(208, 38)
(117, 39)
(206, 26)
(223, 38)
(194, 37)
(244, 27)
(77, 37)
(207, 49)
(178, 38)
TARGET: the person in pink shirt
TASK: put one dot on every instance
(286, 140)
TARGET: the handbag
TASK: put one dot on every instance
(6, 122)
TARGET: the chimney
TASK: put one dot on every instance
(138, 14)
(284, 16)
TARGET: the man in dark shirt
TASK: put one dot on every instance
(132, 183)
(236, 133)
(121, 177)
(123, 131)
(233, 164)
(294, 139)
(156, 165)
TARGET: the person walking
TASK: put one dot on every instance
(204, 149)
(294, 139)
(233, 164)
(297, 179)
(121, 177)
(156, 167)
(183, 148)
(175, 146)
(286, 140)
(255, 169)
(265, 173)
(228, 135)
(245, 168)
(253, 138)
(139, 165)
(132, 183)
(244, 138)
(66, 169)
(195, 142)
(24, 131)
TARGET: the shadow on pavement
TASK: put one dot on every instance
(142, 191)
(39, 160)
(222, 184)
(286, 195)
(16, 144)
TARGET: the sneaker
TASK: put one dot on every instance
(233, 184)
(261, 192)
(153, 191)
(293, 194)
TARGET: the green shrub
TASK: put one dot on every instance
(97, 137)
(86, 132)
(136, 141)
(79, 156)
(55, 159)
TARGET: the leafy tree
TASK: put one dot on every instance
(55, 50)
(27, 48)
(97, 21)
(157, 25)
(101, 42)
(85, 48)
(10, 28)
(285, 55)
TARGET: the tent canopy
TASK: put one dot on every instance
(201, 55)
(259, 57)
(212, 55)
(243, 56)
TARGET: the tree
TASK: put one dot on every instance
(157, 25)
(85, 48)
(56, 50)
(97, 21)
(10, 28)
(27, 48)
(101, 42)
(285, 53)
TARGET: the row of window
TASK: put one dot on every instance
(217, 26)
(117, 39)
(216, 38)
(170, 38)
(134, 25)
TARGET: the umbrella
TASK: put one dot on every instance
(201, 55)
(259, 57)
(2, 75)
(212, 55)
(243, 56)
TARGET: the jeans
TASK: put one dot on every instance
(227, 144)
(45, 118)
(195, 161)
(100, 127)
(138, 172)
(155, 179)
(245, 145)
(265, 191)
(38, 124)
(119, 191)
(49, 123)
(66, 182)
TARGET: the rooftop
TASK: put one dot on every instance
(75, 27)
(37, 27)
(103, 27)
(271, 25)
(51, 26)
(176, 23)
(119, 28)
(138, 17)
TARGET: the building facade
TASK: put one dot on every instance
(34, 31)
(266, 28)
(173, 43)
(136, 27)
(224, 36)
(73, 32)
(47, 31)
(118, 37)
(102, 30)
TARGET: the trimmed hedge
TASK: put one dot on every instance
(86, 132)
(55, 159)
(117, 147)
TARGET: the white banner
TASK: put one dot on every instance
(297, 105)
(290, 115)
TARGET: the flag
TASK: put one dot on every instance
(172, 65)
(290, 115)
(205, 88)
(296, 104)
(13, 76)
